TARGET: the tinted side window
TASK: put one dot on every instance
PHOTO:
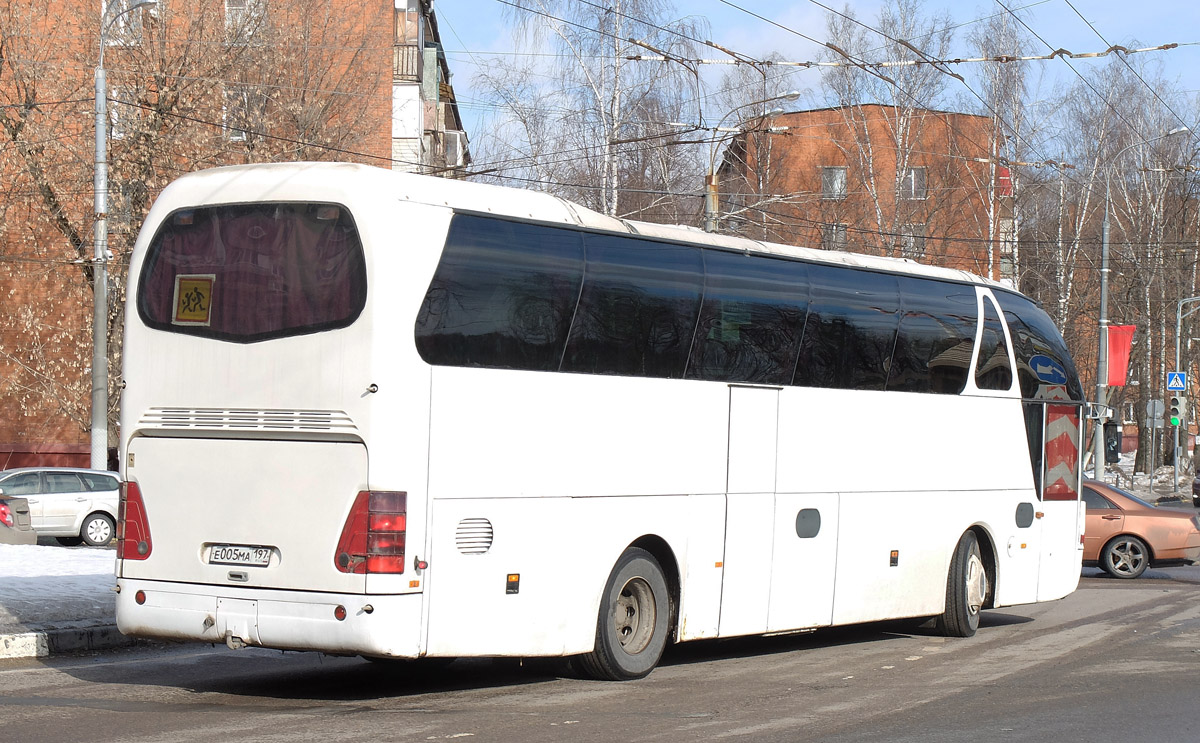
(751, 320)
(851, 329)
(29, 483)
(937, 334)
(502, 296)
(1096, 502)
(637, 312)
(99, 482)
(1041, 355)
(64, 482)
(993, 371)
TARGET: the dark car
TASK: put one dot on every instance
(1196, 491)
(14, 522)
(1124, 534)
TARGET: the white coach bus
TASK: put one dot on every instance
(398, 416)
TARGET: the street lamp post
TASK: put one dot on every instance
(99, 423)
(1102, 355)
(711, 190)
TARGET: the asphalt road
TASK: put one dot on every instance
(1115, 660)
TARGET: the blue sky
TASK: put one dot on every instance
(475, 32)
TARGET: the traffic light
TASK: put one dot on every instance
(1178, 410)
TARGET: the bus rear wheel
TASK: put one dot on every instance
(966, 589)
(631, 632)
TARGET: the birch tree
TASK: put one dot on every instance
(601, 133)
(904, 94)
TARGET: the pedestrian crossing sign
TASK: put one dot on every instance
(1176, 381)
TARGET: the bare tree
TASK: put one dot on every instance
(752, 183)
(903, 95)
(189, 86)
(601, 131)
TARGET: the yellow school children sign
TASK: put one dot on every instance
(193, 299)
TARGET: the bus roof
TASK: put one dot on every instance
(340, 181)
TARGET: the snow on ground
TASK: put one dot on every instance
(32, 560)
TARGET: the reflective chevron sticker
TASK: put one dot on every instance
(1061, 448)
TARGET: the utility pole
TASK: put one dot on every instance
(99, 457)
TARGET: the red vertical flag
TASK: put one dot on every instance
(1120, 339)
(1004, 182)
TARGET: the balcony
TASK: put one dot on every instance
(407, 63)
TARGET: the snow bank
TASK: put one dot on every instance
(31, 561)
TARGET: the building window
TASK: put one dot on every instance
(912, 184)
(245, 110)
(123, 27)
(833, 236)
(833, 183)
(243, 18)
(912, 240)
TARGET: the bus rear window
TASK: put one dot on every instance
(253, 272)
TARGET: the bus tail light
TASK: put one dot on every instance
(373, 537)
(133, 528)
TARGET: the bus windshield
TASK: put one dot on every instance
(253, 272)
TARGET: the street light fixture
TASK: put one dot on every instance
(710, 181)
(1102, 356)
(99, 423)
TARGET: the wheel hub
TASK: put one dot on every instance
(976, 584)
(634, 616)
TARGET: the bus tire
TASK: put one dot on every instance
(966, 589)
(634, 621)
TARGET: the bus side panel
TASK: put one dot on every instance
(872, 583)
(509, 434)
(535, 589)
(1062, 560)
(895, 441)
(925, 469)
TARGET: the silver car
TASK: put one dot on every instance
(74, 505)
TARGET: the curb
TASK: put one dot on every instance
(62, 641)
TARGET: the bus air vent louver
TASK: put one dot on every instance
(247, 419)
(474, 536)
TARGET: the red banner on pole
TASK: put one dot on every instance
(1120, 339)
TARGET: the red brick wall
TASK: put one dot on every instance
(45, 326)
(947, 145)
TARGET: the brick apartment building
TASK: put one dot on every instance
(917, 184)
(190, 85)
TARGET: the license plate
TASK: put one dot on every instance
(237, 554)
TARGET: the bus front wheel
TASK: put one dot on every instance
(634, 621)
(966, 589)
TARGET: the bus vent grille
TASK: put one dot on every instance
(248, 419)
(474, 536)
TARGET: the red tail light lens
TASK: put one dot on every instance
(6, 515)
(133, 528)
(373, 537)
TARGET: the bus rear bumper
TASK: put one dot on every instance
(285, 620)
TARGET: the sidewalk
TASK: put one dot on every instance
(56, 600)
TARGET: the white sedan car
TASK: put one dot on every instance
(74, 505)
